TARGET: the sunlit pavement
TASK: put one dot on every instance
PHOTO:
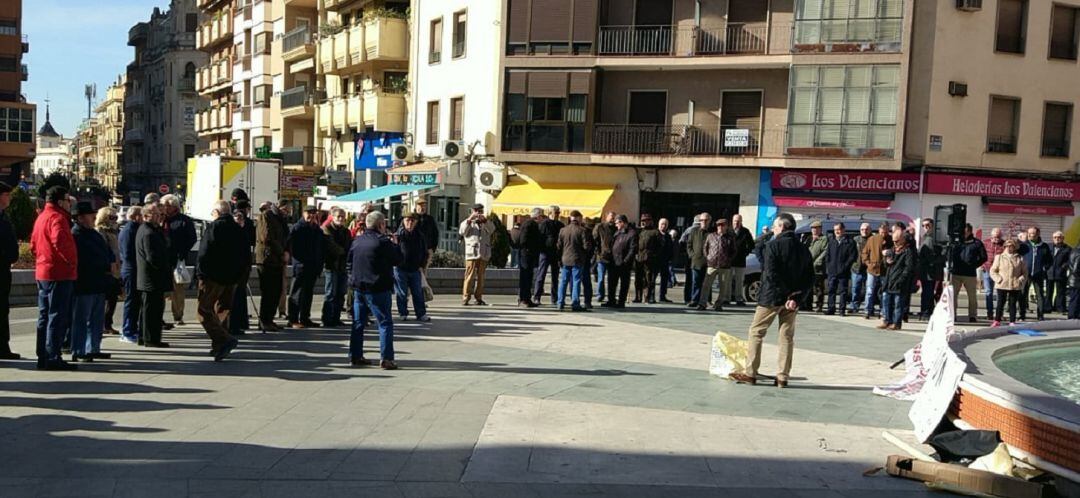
(495, 401)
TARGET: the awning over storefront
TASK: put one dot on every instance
(355, 201)
(1019, 207)
(521, 196)
(818, 202)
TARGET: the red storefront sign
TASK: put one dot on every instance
(811, 202)
(1009, 208)
(852, 181)
(989, 186)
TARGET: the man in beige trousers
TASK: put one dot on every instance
(476, 231)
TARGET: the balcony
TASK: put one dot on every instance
(1001, 144)
(334, 5)
(384, 111)
(881, 34)
(186, 84)
(24, 72)
(307, 157)
(135, 100)
(679, 140)
(214, 77)
(1055, 148)
(133, 135)
(387, 39)
(17, 132)
(138, 33)
(215, 31)
(297, 44)
(300, 102)
(307, 4)
(694, 41)
(342, 113)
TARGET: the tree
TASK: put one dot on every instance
(22, 214)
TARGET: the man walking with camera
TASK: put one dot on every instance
(476, 231)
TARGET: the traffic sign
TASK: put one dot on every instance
(163, 188)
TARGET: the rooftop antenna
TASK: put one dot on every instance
(91, 94)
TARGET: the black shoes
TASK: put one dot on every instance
(226, 349)
(100, 356)
(56, 365)
(359, 362)
(158, 345)
(8, 355)
(480, 302)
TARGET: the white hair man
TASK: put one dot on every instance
(373, 255)
(1058, 275)
(744, 245)
(180, 233)
(223, 262)
(477, 231)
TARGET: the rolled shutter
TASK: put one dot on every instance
(1056, 125)
(515, 82)
(518, 21)
(549, 84)
(1010, 26)
(550, 21)
(741, 110)
(1002, 118)
(1063, 33)
(585, 12)
(579, 83)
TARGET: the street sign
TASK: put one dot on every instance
(163, 188)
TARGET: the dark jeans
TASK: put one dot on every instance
(688, 284)
(54, 317)
(5, 308)
(587, 285)
(302, 293)
(333, 296)
(547, 262)
(525, 281)
(665, 280)
(238, 315)
(131, 324)
(698, 278)
(644, 282)
(618, 284)
(1039, 298)
(1012, 296)
(839, 285)
(406, 283)
(1074, 303)
(270, 279)
(892, 309)
(153, 305)
(377, 304)
(1055, 295)
(601, 279)
(929, 296)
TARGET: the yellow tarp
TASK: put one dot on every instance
(521, 196)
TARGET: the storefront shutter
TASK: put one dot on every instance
(1012, 224)
(585, 12)
(548, 84)
(550, 21)
(518, 20)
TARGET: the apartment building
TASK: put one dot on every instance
(214, 80)
(362, 64)
(161, 102)
(109, 132)
(17, 117)
(85, 145)
(818, 107)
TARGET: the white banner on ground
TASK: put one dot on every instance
(937, 393)
(920, 360)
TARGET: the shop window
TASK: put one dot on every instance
(433, 122)
(435, 43)
(1057, 126)
(1063, 32)
(850, 107)
(460, 21)
(457, 118)
(1004, 124)
(1011, 26)
(826, 22)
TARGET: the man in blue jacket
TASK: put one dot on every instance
(305, 244)
(372, 259)
(129, 330)
(1037, 258)
(95, 264)
(407, 279)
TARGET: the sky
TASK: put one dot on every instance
(74, 43)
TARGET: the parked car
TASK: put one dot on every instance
(752, 276)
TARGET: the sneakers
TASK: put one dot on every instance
(129, 340)
(404, 317)
(423, 318)
(995, 323)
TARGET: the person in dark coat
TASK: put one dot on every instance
(744, 246)
(271, 257)
(900, 263)
(1074, 284)
(305, 244)
(684, 252)
(9, 254)
(1057, 276)
(407, 278)
(1036, 254)
(180, 235)
(603, 235)
(931, 269)
(94, 274)
(968, 256)
(647, 263)
(224, 261)
(335, 274)
(238, 316)
(549, 258)
(154, 275)
(530, 244)
(372, 259)
(787, 274)
(695, 250)
(840, 253)
(575, 248)
(130, 326)
(663, 263)
(623, 252)
(427, 226)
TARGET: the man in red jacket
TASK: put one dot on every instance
(56, 269)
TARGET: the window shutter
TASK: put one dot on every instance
(1063, 33)
(579, 83)
(1056, 124)
(515, 82)
(433, 123)
(831, 107)
(517, 14)
(1002, 117)
(436, 35)
(458, 112)
(550, 21)
(884, 106)
(585, 12)
(857, 107)
(741, 110)
(804, 101)
(1010, 25)
(549, 84)
(809, 9)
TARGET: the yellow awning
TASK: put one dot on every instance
(521, 196)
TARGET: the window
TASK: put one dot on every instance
(435, 44)
(261, 95)
(850, 107)
(826, 22)
(191, 22)
(8, 64)
(1011, 26)
(1063, 33)
(1057, 126)
(545, 123)
(1004, 121)
(395, 81)
(262, 43)
(16, 125)
(457, 118)
(460, 21)
(9, 27)
(433, 122)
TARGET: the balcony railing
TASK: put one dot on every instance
(691, 41)
(1055, 149)
(1001, 144)
(301, 96)
(138, 32)
(881, 34)
(676, 140)
(296, 38)
(302, 156)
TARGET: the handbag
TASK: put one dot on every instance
(429, 294)
(181, 275)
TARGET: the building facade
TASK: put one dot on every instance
(161, 102)
(17, 117)
(214, 80)
(109, 132)
(55, 154)
(86, 151)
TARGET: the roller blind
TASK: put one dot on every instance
(550, 21)
(585, 12)
(579, 83)
(1063, 33)
(515, 82)
(1010, 26)
(547, 84)
(517, 15)
(1002, 117)
(1056, 124)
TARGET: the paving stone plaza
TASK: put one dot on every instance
(496, 401)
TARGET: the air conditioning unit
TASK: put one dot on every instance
(490, 176)
(403, 153)
(453, 149)
(969, 5)
(957, 89)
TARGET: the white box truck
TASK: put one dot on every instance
(212, 177)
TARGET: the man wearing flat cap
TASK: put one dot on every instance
(305, 245)
(476, 230)
(817, 243)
